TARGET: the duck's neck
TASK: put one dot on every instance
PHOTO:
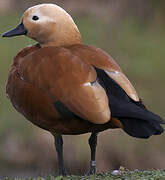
(60, 44)
(63, 39)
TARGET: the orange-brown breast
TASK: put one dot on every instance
(40, 77)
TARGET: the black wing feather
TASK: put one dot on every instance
(136, 119)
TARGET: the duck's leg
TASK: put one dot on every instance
(93, 143)
(59, 148)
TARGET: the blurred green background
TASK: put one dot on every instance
(133, 32)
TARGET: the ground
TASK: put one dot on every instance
(123, 175)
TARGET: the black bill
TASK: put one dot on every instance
(19, 30)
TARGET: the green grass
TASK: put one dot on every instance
(124, 175)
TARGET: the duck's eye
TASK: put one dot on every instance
(35, 18)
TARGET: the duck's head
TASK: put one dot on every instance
(48, 24)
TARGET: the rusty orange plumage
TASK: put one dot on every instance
(23, 77)
(66, 87)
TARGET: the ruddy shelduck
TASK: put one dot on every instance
(68, 88)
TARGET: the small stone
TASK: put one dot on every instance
(136, 170)
(115, 172)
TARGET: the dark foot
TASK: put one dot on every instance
(62, 172)
(92, 169)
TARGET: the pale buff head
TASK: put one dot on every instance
(50, 25)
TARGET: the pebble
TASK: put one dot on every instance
(136, 170)
(115, 172)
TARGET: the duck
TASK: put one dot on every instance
(68, 88)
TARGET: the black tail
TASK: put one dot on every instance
(136, 119)
(141, 129)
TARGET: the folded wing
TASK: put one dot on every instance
(100, 59)
(66, 78)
